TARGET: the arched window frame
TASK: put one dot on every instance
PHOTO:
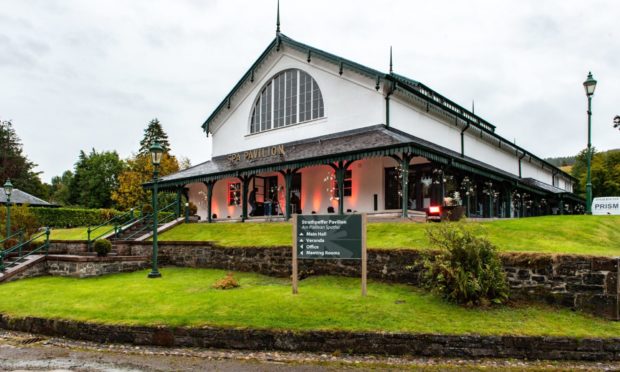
(290, 97)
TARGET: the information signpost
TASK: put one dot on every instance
(320, 237)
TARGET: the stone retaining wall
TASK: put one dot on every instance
(80, 266)
(75, 247)
(88, 266)
(586, 283)
(30, 271)
(522, 347)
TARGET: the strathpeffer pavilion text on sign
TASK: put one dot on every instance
(329, 236)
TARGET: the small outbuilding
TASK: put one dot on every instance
(20, 197)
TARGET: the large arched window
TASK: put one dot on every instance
(290, 97)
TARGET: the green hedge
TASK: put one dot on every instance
(73, 217)
(78, 217)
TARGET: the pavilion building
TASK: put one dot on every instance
(306, 131)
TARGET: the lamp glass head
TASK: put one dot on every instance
(589, 85)
(156, 153)
(8, 187)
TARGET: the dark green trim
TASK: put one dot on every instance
(210, 186)
(432, 98)
(387, 110)
(520, 159)
(463, 138)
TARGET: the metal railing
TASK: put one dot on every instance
(147, 219)
(20, 252)
(19, 233)
(117, 223)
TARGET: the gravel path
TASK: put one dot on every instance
(22, 351)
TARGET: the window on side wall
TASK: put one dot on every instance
(234, 193)
(348, 184)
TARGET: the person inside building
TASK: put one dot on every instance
(295, 203)
(252, 201)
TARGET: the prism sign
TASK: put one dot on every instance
(609, 205)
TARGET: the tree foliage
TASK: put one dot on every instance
(130, 193)
(154, 132)
(16, 166)
(95, 178)
(605, 173)
(22, 218)
(60, 191)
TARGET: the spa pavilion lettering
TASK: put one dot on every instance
(264, 152)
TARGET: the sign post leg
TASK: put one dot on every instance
(294, 263)
(364, 257)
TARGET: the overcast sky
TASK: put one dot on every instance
(82, 74)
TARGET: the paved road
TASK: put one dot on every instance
(21, 351)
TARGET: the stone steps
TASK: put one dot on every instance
(15, 267)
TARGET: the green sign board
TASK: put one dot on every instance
(329, 236)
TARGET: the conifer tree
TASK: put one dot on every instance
(154, 131)
(15, 165)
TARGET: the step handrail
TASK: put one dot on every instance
(18, 248)
(150, 216)
(90, 230)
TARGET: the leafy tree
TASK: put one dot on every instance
(154, 132)
(22, 218)
(60, 188)
(16, 166)
(96, 177)
(605, 172)
(139, 170)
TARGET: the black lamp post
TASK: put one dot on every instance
(156, 154)
(589, 85)
(8, 190)
(617, 122)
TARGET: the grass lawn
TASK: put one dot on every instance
(76, 233)
(595, 235)
(184, 297)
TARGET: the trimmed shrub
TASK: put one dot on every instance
(227, 282)
(102, 247)
(467, 270)
(73, 217)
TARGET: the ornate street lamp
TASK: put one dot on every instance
(156, 154)
(8, 190)
(589, 85)
(617, 122)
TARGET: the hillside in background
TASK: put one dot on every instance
(569, 161)
(562, 161)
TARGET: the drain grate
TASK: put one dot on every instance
(31, 340)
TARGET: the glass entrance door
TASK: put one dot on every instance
(393, 187)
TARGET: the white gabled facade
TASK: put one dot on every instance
(355, 98)
(351, 102)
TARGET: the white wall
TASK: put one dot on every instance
(534, 170)
(410, 120)
(350, 102)
(490, 153)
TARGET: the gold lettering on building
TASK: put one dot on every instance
(258, 153)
